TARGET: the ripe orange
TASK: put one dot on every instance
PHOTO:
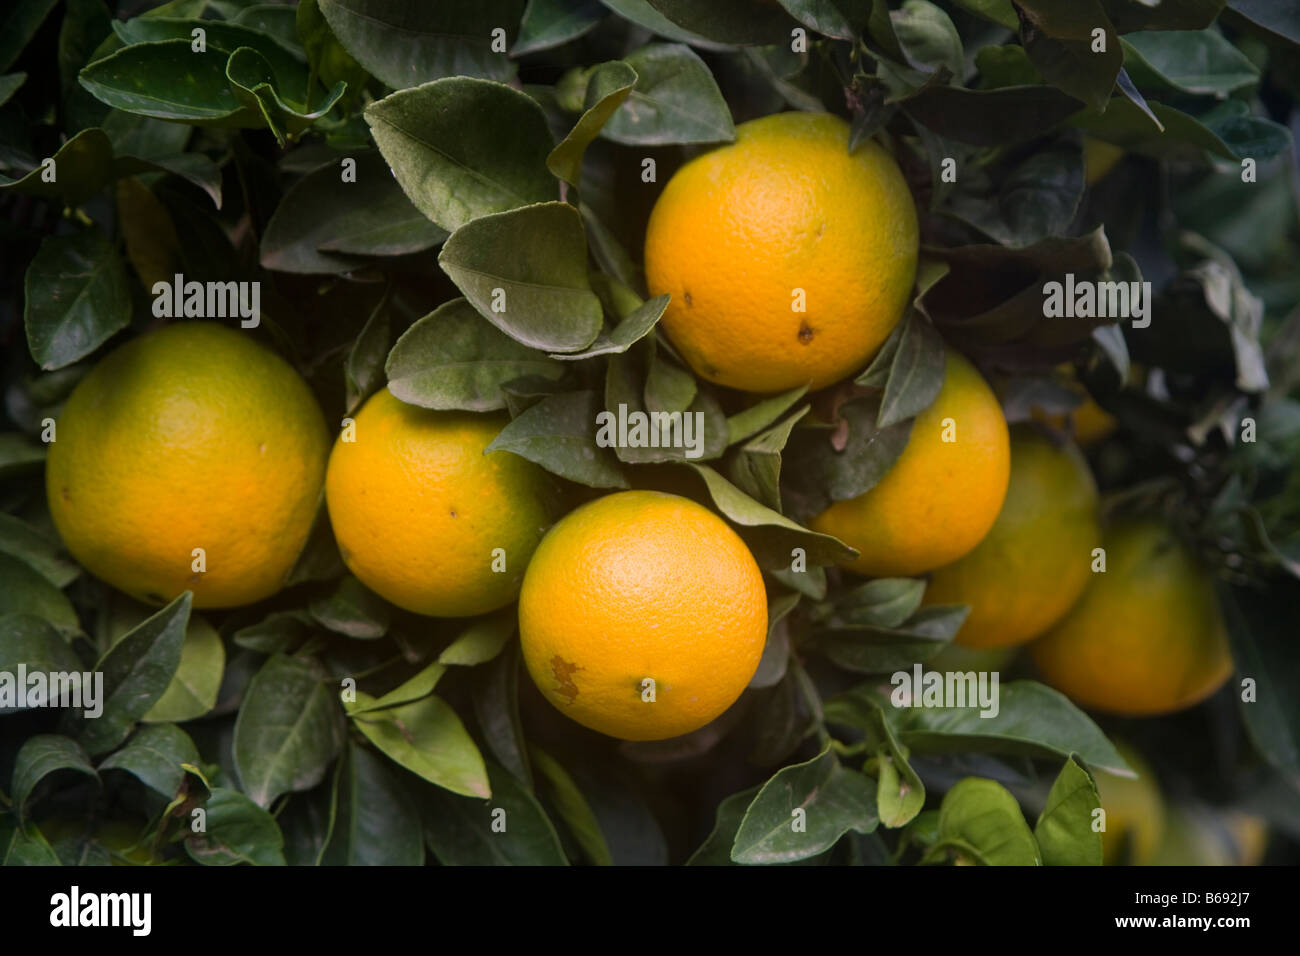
(192, 436)
(1034, 562)
(1147, 637)
(424, 518)
(642, 594)
(941, 496)
(786, 207)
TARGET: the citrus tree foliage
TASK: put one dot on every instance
(383, 169)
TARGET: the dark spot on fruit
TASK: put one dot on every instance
(709, 371)
(821, 228)
(806, 333)
(156, 598)
(689, 300)
(65, 494)
(563, 672)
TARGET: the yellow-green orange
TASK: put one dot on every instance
(427, 520)
(789, 259)
(942, 494)
(190, 437)
(1147, 636)
(1099, 158)
(1135, 812)
(636, 595)
(1034, 562)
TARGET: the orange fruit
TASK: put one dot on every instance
(941, 496)
(643, 615)
(1135, 812)
(1034, 562)
(424, 518)
(192, 436)
(786, 207)
(1147, 636)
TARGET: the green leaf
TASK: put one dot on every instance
(928, 37)
(770, 535)
(1130, 15)
(1064, 829)
(641, 13)
(376, 822)
(774, 663)
(168, 80)
(24, 590)
(155, 756)
(1058, 36)
(675, 100)
(558, 433)
(848, 460)
(481, 642)
(464, 148)
(364, 368)
(833, 801)
(236, 830)
(137, 671)
(1032, 720)
(1262, 648)
(608, 86)
(842, 20)
(1000, 12)
(884, 602)
(22, 844)
(287, 70)
(278, 633)
(1001, 117)
(288, 730)
(551, 23)
(459, 830)
(453, 359)
(630, 391)
(193, 691)
(1227, 130)
(634, 327)
(916, 372)
(761, 414)
(405, 44)
(9, 85)
(716, 848)
(878, 650)
(352, 610)
(755, 467)
(42, 755)
(255, 84)
(428, 739)
(32, 643)
(325, 55)
(324, 222)
(19, 25)
(496, 708)
(981, 819)
(76, 298)
(1200, 62)
(739, 22)
(525, 271)
(572, 807)
(415, 688)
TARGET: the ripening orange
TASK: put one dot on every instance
(424, 518)
(1147, 637)
(642, 595)
(789, 259)
(1034, 562)
(190, 458)
(943, 493)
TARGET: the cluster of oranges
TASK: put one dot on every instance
(193, 459)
